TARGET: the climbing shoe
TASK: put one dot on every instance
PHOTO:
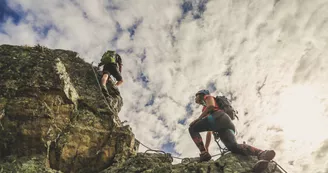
(260, 166)
(204, 157)
(264, 158)
(266, 155)
(104, 90)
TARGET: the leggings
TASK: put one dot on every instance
(220, 122)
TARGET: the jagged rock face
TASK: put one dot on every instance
(25, 164)
(161, 163)
(51, 107)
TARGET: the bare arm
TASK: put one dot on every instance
(119, 62)
(120, 68)
(208, 140)
(100, 64)
(210, 104)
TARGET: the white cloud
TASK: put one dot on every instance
(286, 43)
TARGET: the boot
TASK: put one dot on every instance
(264, 158)
(204, 157)
(266, 155)
(104, 90)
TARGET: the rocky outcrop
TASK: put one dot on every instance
(52, 111)
(53, 118)
(161, 163)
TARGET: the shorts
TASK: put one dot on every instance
(217, 121)
(112, 69)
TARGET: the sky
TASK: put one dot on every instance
(269, 56)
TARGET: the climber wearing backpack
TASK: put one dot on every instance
(112, 66)
(214, 118)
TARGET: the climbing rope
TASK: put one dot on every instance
(222, 150)
(280, 167)
(158, 151)
(105, 100)
(225, 150)
(150, 149)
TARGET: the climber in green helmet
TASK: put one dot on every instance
(213, 118)
(112, 66)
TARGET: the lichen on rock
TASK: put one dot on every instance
(68, 87)
(51, 106)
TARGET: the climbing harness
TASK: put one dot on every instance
(223, 150)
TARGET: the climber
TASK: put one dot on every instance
(214, 119)
(112, 66)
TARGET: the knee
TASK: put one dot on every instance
(232, 147)
(191, 130)
(105, 75)
(119, 82)
(119, 79)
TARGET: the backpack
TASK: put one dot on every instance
(225, 105)
(118, 59)
(109, 57)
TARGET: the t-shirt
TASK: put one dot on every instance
(216, 107)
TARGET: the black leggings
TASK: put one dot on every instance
(220, 122)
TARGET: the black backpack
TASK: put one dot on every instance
(118, 59)
(225, 105)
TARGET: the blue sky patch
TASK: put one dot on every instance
(151, 101)
(211, 87)
(196, 9)
(112, 6)
(183, 121)
(186, 7)
(118, 33)
(189, 111)
(201, 7)
(143, 55)
(43, 31)
(169, 148)
(143, 79)
(8, 13)
(133, 28)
